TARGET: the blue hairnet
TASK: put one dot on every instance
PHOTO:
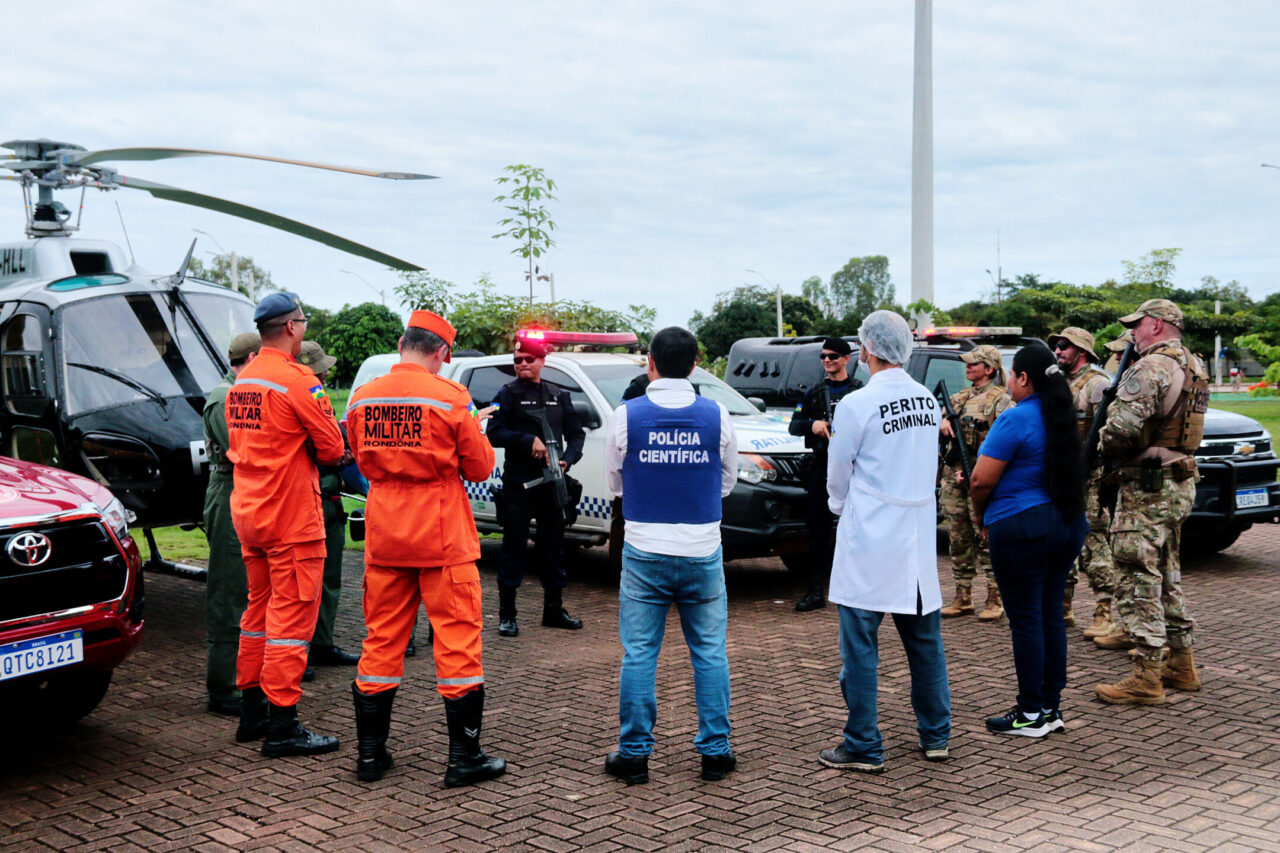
(886, 336)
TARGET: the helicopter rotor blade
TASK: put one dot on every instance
(107, 154)
(263, 217)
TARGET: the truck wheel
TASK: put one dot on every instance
(68, 697)
(797, 562)
(1205, 543)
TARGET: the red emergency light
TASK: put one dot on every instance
(596, 339)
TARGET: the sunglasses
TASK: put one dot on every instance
(831, 356)
(1063, 345)
(525, 359)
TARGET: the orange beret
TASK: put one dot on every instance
(433, 322)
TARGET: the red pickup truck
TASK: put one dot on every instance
(71, 592)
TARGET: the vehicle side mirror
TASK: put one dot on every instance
(757, 402)
(587, 414)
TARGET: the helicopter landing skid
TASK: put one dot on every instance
(157, 563)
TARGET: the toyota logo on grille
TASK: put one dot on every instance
(29, 549)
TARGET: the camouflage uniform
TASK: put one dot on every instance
(1147, 526)
(226, 587)
(978, 409)
(1087, 385)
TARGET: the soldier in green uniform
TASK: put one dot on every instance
(226, 590)
(978, 407)
(323, 650)
(1079, 363)
(1153, 429)
(1116, 350)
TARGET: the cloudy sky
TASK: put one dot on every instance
(690, 141)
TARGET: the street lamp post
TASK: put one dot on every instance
(777, 290)
(381, 293)
(235, 262)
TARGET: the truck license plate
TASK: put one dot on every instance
(1251, 497)
(51, 652)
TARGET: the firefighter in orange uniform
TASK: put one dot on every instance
(280, 425)
(413, 434)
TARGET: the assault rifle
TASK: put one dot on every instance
(1107, 491)
(553, 474)
(827, 406)
(958, 448)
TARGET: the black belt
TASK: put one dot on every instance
(222, 467)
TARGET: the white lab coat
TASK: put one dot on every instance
(881, 471)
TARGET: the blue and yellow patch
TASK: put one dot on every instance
(316, 391)
(472, 410)
(799, 408)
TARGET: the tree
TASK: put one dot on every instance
(357, 332)
(529, 222)
(254, 280)
(1155, 270)
(318, 322)
(419, 289)
(860, 287)
(814, 289)
(750, 311)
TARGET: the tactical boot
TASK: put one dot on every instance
(1102, 624)
(1179, 671)
(253, 715)
(373, 723)
(553, 613)
(995, 608)
(1118, 639)
(963, 604)
(507, 626)
(633, 770)
(1143, 687)
(467, 762)
(287, 736)
(1068, 600)
(813, 600)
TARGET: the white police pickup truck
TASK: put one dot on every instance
(764, 515)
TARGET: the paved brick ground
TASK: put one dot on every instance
(151, 771)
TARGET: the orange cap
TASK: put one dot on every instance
(433, 322)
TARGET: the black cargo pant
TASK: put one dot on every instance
(821, 528)
(517, 507)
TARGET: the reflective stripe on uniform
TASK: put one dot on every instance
(379, 679)
(403, 401)
(253, 633)
(283, 642)
(265, 383)
(475, 679)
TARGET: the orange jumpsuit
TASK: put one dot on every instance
(280, 423)
(413, 433)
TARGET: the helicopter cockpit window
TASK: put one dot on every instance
(122, 349)
(22, 343)
(223, 317)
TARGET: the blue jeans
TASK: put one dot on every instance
(930, 692)
(1031, 554)
(651, 583)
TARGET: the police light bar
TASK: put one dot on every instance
(970, 331)
(598, 339)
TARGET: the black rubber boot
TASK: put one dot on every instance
(253, 715)
(553, 613)
(373, 723)
(813, 600)
(467, 762)
(507, 626)
(287, 736)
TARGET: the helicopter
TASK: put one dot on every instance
(104, 366)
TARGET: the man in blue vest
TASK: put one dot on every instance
(671, 456)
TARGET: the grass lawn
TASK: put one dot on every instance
(1266, 411)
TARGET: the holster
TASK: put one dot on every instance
(1151, 475)
(1184, 469)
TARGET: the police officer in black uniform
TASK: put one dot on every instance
(512, 428)
(812, 420)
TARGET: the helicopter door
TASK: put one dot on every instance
(27, 418)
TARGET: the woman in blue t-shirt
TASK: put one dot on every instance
(1028, 485)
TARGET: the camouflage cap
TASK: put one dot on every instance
(1161, 309)
(1078, 338)
(985, 354)
(243, 345)
(312, 356)
(1121, 342)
